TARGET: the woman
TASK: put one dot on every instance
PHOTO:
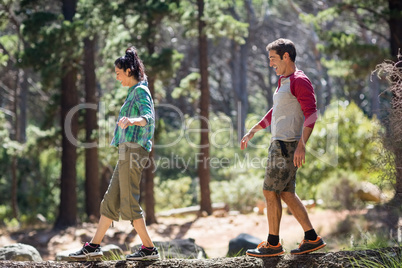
(133, 134)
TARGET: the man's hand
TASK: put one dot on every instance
(245, 139)
(300, 155)
(249, 136)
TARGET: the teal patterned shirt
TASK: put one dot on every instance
(138, 103)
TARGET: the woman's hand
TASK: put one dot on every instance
(124, 122)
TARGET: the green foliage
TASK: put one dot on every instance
(236, 175)
(10, 43)
(386, 260)
(343, 139)
(5, 163)
(350, 31)
(164, 64)
(55, 45)
(39, 170)
(338, 191)
(61, 54)
(11, 223)
(356, 233)
(342, 150)
(382, 255)
(138, 23)
(173, 193)
(188, 88)
(5, 214)
(357, 57)
(240, 193)
(219, 23)
(343, 143)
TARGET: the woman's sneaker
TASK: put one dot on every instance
(143, 253)
(265, 249)
(307, 246)
(87, 251)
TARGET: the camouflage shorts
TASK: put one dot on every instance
(280, 174)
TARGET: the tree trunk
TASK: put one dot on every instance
(234, 64)
(242, 94)
(148, 173)
(23, 94)
(396, 126)
(239, 68)
(68, 194)
(395, 26)
(14, 188)
(106, 175)
(69, 99)
(92, 182)
(148, 176)
(19, 122)
(375, 96)
(203, 158)
(398, 165)
(14, 176)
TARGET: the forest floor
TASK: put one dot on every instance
(213, 233)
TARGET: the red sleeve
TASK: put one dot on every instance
(266, 120)
(303, 90)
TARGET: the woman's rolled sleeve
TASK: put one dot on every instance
(144, 101)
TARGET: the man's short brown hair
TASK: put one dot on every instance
(281, 46)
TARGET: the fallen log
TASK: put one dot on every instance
(345, 259)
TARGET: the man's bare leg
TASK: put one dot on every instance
(298, 210)
(274, 211)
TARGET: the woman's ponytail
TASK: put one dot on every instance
(132, 62)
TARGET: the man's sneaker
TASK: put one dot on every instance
(264, 249)
(307, 246)
(143, 254)
(87, 251)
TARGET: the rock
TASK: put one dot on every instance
(367, 191)
(110, 252)
(221, 213)
(41, 219)
(192, 210)
(180, 248)
(260, 207)
(19, 252)
(239, 245)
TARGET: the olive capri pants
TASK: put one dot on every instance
(122, 197)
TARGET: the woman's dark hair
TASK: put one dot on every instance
(132, 62)
(281, 46)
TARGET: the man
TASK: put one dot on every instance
(292, 119)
